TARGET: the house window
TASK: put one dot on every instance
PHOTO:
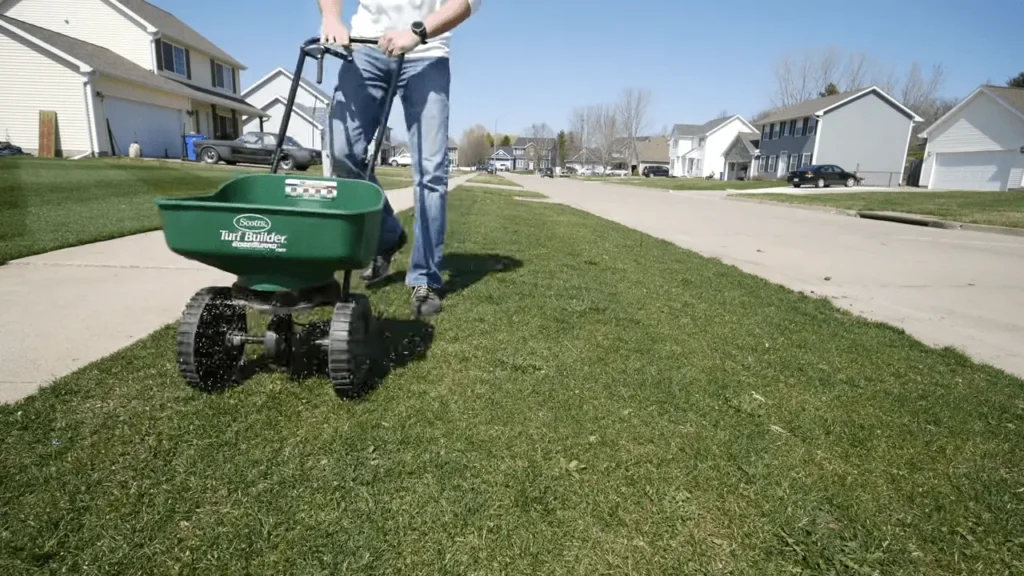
(803, 127)
(793, 161)
(783, 129)
(223, 77)
(761, 164)
(812, 125)
(806, 160)
(771, 135)
(174, 58)
(792, 127)
(764, 131)
(700, 142)
(771, 163)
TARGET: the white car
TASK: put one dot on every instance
(617, 172)
(402, 160)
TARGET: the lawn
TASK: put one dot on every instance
(559, 417)
(690, 183)
(992, 208)
(47, 204)
(495, 179)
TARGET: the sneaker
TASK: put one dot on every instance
(425, 302)
(381, 265)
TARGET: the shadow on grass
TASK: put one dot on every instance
(463, 269)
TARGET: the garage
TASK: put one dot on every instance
(157, 129)
(973, 170)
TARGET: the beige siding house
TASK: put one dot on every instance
(115, 73)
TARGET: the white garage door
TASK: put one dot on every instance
(973, 170)
(157, 129)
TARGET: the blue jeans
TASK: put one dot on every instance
(356, 109)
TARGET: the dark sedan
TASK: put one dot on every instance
(257, 148)
(822, 175)
(547, 172)
(656, 171)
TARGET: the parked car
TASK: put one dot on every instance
(547, 172)
(567, 171)
(655, 172)
(620, 172)
(822, 175)
(404, 159)
(258, 148)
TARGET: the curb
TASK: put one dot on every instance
(896, 217)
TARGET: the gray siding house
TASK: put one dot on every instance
(864, 131)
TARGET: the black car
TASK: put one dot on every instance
(547, 172)
(656, 171)
(257, 148)
(822, 175)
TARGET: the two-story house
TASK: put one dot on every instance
(308, 124)
(534, 153)
(696, 150)
(114, 72)
(864, 131)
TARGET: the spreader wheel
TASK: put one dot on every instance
(206, 357)
(349, 349)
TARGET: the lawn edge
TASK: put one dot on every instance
(895, 217)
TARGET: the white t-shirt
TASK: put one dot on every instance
(375, 17)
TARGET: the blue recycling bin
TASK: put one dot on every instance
(190, 146)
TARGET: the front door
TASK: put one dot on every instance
(783, 163)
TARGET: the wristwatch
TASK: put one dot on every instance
(420, 29)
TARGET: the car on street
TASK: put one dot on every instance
(620, 172)
(404, 159)
(567, 172)
(823, 175)
(656, 172)
(258, 148)
(547, 172)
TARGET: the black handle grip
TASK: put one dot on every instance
(320, 70)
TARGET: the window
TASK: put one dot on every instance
(700, 142)
(771, 135)
(223, 76)
(771, 163)
(803, 127)
(812, 125)
(764, 131)
(174, 58)
(793, 161)
(761, 164)
(792, 127)
(783, 126)
(806, 160)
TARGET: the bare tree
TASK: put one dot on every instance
(633, 112)
(920, 92)
(606, 130)
(474, 147)
(544, 144)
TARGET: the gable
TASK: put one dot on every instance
(278, 83)
(982, 123)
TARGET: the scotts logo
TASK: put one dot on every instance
(252, 223)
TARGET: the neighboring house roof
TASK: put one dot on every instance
(523, 142)
(705, 129)
(652, 149)
(502, 151)
(304, 82)
(1011, 98)
(749, 141)
(112, 64)
(452, 143)
(585, 155)
(170, 25)
(820, 106)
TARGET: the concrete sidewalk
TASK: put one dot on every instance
(947, 288)
(62, 310)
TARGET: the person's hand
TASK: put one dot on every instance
(397, 42)
(333, 31)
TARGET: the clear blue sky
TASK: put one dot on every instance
(525, 61)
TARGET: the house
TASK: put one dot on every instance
(741, 157)
(864, 131)
(114, 72)
(696, 150)
(979, 144)
(650, 151)
(534, 153)
(308, 123)
(586, 159)
(453, 155)
(503, 158)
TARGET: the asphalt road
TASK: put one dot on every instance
(946, 288)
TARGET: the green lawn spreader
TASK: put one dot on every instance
(285, 238)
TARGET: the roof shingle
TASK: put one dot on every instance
(1012, 96)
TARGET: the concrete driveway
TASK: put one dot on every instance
(947, 288)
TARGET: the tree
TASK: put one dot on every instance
(475, 146)
(506, 140)
(1017, 81)
(607, 131)
(543, 143)
(829, 90)
(490, 140)
(563, 145)
(632, 111)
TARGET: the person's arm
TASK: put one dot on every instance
(449, 15)
(444, 19)
(332, 29)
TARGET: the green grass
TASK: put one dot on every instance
(48, 204)
(565, 418)
(499, 192)
(689, 183)
(992, 208)
(495, 179)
